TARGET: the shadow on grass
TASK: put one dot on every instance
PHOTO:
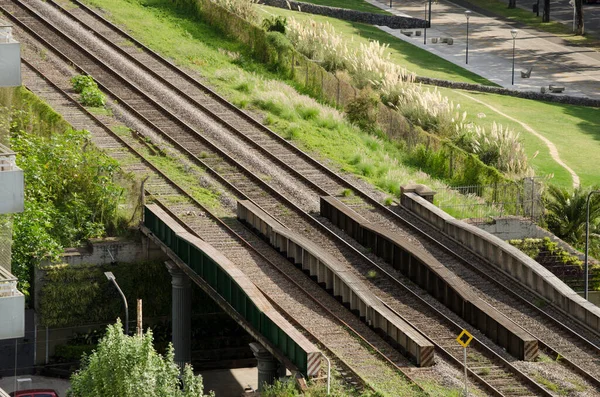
(590, 118)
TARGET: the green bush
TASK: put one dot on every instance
(82, 82)
(279, 48)
(71, 195)
(275, 24)
(93, 97)
(362, 111)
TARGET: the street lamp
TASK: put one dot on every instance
(587, 238)
(514, 33)
(467, 15)
(112, 278)
(425, 34)
(425, 30)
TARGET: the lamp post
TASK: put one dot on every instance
(425, 30)
(112, 278)
(427, 20)
(587, 239)
(467, 15)
(513, 33)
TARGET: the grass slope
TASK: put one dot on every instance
(411, 57)
(225, 65)
(568, 127)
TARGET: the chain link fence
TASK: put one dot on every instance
(521, 198)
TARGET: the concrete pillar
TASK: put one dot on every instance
(268, 366)
(181, 314)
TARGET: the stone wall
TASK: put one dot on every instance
(538, 96)
(392, 21)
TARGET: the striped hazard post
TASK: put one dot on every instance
(313, 363)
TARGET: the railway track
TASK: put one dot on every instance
(433, 322)
(323, 181)
(552, 336)
(303, 303)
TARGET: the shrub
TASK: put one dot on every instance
(281, 46)
(362, 111)
(71, 195)
(275, 24)
(498, 147)
(320, 42)
(82, 82)
(91, 96)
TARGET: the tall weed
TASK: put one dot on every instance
(242, 8)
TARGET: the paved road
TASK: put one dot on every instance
(554, 61)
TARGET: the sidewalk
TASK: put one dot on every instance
(490, 49)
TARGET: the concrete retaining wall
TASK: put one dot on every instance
(109, 250)
(508, 258)
(392, 21)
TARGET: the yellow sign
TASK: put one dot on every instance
(464, 338)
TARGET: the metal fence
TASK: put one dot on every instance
(480, 203)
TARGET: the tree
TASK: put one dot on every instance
(579, 17)
(128, 366)
(566, 213)
(546, 14)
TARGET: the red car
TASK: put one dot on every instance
(34, 393)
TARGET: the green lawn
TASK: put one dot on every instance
(358, 5)
(575, 130)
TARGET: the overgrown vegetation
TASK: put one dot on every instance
(370, 66)
(72, 190)
(567, 267)
(72, 295)
(573, 129)
(71, 195)
(90, 93)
